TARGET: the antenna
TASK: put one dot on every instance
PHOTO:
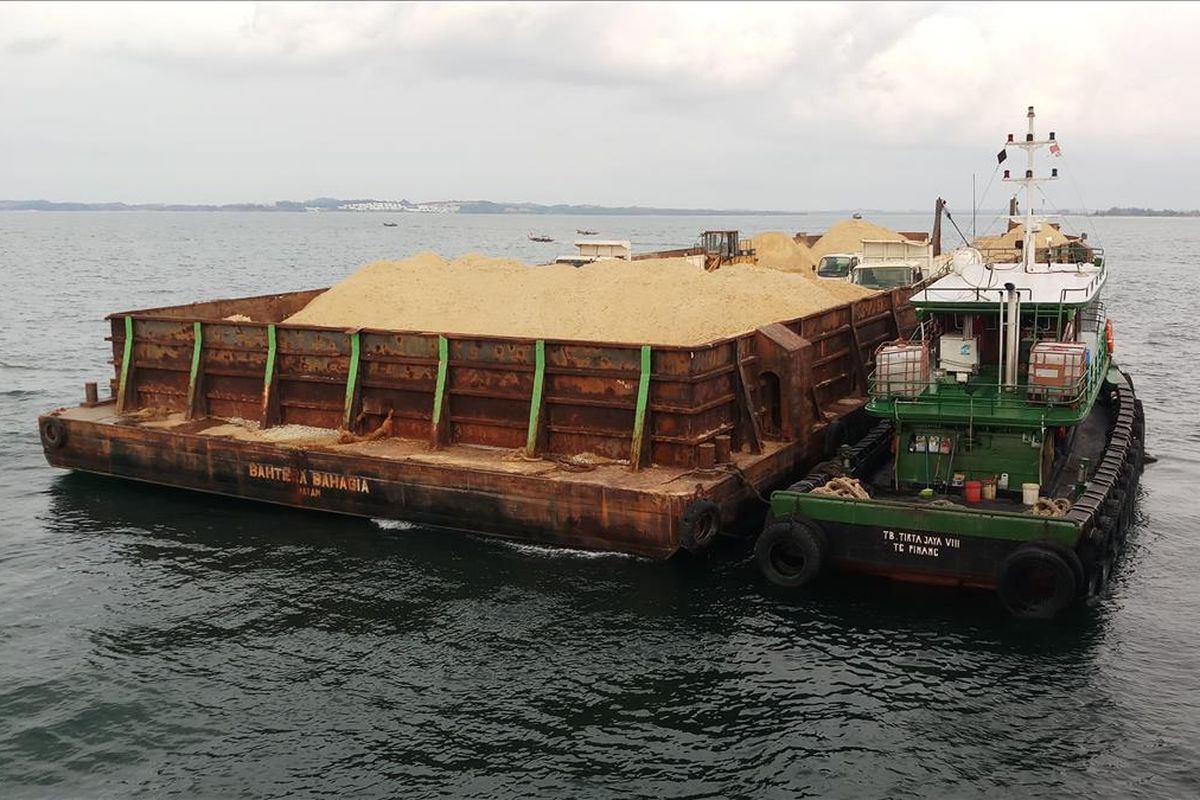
(1029, 241)
(1031, 145)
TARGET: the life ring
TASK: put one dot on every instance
(1036, 582)
(1108, 336)
(791, 553)
(54, 433)
(699, 525)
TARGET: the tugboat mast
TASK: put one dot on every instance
(1030, 145)
(1030, 242)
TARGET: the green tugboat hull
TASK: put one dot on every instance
(923, 544)
(1038, 564)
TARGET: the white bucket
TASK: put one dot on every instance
(1029, 493)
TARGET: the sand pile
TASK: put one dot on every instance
(666, 301)
(847, 237)
(778, 250)
(1048, 236)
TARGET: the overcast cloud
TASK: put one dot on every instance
(781, 106)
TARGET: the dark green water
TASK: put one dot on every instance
(157, 643)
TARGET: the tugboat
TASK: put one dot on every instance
(1006, 444)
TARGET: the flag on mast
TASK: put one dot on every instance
(1055, 150)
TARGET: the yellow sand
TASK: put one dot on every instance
(1048, 236)
(659, 301)
(778, 250)
(847, 237)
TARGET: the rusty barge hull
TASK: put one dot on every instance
(607, 508)
(582, 444)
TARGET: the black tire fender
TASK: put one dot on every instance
(54, 433)
(699, 525)
(1114, 504)
(1097, 558)
(791, 553)
(834, 437)
(1037, 582)
(1073, 561)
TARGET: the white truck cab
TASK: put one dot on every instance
(837, 266)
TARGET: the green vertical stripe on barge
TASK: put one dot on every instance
(197, 346)
(639, 418)
(535, 404)
(126, 358)
(270, 370)
(440, 390)
(351, 380)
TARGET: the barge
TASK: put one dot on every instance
(640, 449)
(1008, 446)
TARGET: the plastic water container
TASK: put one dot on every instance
(1029, 493)
(989, 488)
(1057, 370)
(972, 491)
(901, 369)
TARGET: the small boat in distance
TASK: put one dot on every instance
(857, 215)
(390, 224)
(539, 238)
(582, 232)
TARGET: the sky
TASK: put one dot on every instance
(774, 106)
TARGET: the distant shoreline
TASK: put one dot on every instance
(329, 204)
(332, 205)
(1144, 212)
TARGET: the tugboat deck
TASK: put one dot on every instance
(1046, 284)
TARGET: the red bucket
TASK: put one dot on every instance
(972, 491)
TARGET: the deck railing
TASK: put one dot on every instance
(984, 394)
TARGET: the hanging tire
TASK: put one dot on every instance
(1108, 524)
(1037, 582)
(1114, 509)
(1098, 577)
(835, 437)
(1097, 557)
(699, 525)
(790, 553)
(54, 433)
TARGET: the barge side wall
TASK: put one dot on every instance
(784, 382)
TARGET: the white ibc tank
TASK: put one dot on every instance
(901, 369)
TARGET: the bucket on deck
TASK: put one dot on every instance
(972, 491)
(989, 488)
(1029, 493)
